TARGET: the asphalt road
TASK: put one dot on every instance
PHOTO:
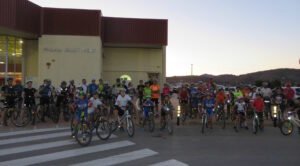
(187, 146)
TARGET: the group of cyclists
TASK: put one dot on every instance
(240, 104)
(195, 99)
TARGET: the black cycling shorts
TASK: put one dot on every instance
(120, 111)
(155, 100)
(44, 100)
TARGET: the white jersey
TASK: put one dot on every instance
(266, 92)
(240, 106)
(123, 100)
(95, 104)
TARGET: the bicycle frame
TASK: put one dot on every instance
(294, 120)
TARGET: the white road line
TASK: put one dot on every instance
(172, 162)
(13, 133)
(34, 138)
(65, 154)
(35, 147)
(118, 159)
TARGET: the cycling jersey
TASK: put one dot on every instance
(9, 91)
(140, 89)
(95, 103)
(45, 90)
(289, 93)
(100, 89)
(193, 92)
(149, 104)
(29, 96)
(147, 92)
(92, 89)
(258, 105)
(278, 98)
(81, 106)
(183, 95)
(221, 96)
(18, 90)
(155, 91)
(123, 100)
(266, 92)
(166, 91)
(237, 94)
(209, 106)
(240, 106)
(62, 96)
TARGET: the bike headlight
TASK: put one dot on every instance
(178, 112)
(289, 118)
(178, 108)
(275, 108)
(178, 115)
(256, 116)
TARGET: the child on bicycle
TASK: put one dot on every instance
(166, 104)
(240, 107)
(147, 106)
(208, 105)
(81, 105)
(258, 105)
(93, 106)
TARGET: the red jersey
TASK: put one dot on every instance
(166, 91)
(289, 93)
(183, 95)
(258, 105)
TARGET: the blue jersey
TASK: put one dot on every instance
(93, 88)
(81, 105)
(149, 105)
(193, 91)
(209, 104)
(46, 92)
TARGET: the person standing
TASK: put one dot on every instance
(155, 91)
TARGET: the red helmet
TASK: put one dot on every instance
(288, 85)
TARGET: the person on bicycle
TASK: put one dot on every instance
(81, 105)
(166, 90)
(45, 94)
(155, 91)
(266, 93)
(92, 88)
(62, 93)
(166, 104)
(71, 90)
(184, 100)
(221, 98)
(8, 91)
(290, 94)
(19, 89)
(208, 106)
(117, 87)
(84, 86)
(258, 105)
(237, 93)
(240, 108)
(28, 95)
(101, 88)
(278, 98)
(121, 103)
(94, 104)
(147, 106)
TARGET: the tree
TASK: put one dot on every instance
(259, 83)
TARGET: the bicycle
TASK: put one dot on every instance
(220, 115)
(287, 126)
(82, 133)
(150, 119)
(29, 111)
(204, 121)
(13, 113)
(167, 122)
(126, 117)
(49, 110)
(256, 123)
(277, 115)
(101, 125)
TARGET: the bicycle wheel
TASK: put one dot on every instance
(103, 130)
(28, 116)
(203, 123)
(83, 134)
(255, 126)
(17, 117)
(129, 127)
(151, 123)
(39, 112)
(170, 126)
(287, 127)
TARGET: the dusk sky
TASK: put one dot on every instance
(216, 36)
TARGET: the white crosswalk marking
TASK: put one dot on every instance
(66, 154)
(172, 162)
(34, 138)
(14, 133)
(118, 159)
(35, 147)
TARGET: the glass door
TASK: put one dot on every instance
(11, 58)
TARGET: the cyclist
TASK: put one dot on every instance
(28, 95)
(166, 90)
(84, 85)
(166, 103)
(92, 88)
(155, 91)
(100, 88)
(258, 105)
(131, 90)
(183, 100)
(278, 98)
(220, 98)
(140, 90)
(147, 106)
(289, 93)
(71, 89)
(62, 93)
(45, 94)
(230, 103)
(117, 87)
(211, 85)
(93, 106)
(9, 93)
(193, 94)
(266, 93)
(81, 105)
(240, 107)
(121, 103)
(208, 106)
(237, 93)
(19, 89)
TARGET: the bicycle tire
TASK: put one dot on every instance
(103, 125)
(84, 129)
(129, 127)
(288, 124)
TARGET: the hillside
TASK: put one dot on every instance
(284, 75)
